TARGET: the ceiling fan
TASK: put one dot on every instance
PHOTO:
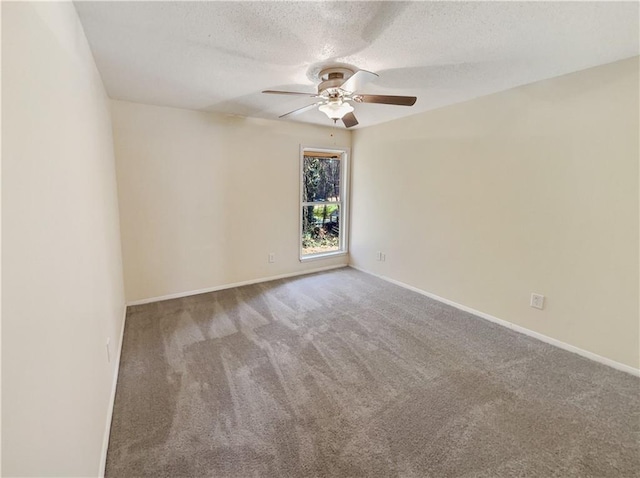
(337, 88)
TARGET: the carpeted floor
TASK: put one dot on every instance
(341, 374)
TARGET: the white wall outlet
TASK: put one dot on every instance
(537, 301)
(272, 257)
(378, 256)
(108, 350)
(383, 257)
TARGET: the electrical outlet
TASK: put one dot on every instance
(108, 350)
(383, 257)
(537, 301)
(378, 256)
(272, 257)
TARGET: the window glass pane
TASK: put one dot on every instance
(321, 179)
(320, 229)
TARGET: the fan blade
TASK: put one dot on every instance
(387, 100)
(300, 110)
(358, 80)
(349, 120)
(276, 92)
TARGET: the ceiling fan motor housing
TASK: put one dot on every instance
(333, 78)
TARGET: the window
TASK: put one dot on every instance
(323, 194)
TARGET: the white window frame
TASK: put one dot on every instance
(343, 204)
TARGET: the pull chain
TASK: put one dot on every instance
(333, 131)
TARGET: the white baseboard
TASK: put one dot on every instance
(231, 286)
(536, 335)
(112, 399)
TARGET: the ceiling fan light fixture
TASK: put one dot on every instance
(336, 110)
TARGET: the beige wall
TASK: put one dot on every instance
(62, 285)
(205, 197)
(529, 190)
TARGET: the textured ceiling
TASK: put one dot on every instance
(218, 56)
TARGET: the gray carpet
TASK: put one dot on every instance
(341, 374)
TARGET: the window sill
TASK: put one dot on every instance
(323, 255)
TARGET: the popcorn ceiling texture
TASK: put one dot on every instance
(341, 374)
(219, 55)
